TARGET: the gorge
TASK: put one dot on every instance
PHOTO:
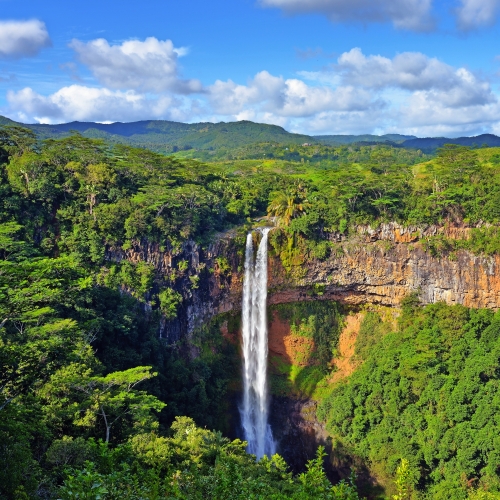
(379, 266)
(371, 268)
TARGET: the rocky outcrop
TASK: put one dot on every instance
(381, 266)
(296, 430)
(377, 274)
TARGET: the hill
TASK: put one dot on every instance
(7, 121)
(335, 140)
(167, 137)
(432, 143)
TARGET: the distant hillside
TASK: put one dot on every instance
(166, 136)
(432, 143)
(335, 140)
(7, 121)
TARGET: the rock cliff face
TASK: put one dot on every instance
(383, 267)
(377, 274)
(375, 266)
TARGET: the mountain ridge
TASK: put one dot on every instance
(431, 143)
(169, 136)
(349, 139)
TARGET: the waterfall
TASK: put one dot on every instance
(255, 406)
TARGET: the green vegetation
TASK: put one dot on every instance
(80, 357)
(169, 137)
(480, 241)
(169, 302)
(431, 144)
(460, 186)
(211, 138)
(89, 393)
(426, 393)
(96, 404)
(319, 323)
(191, 464)
(320, 154)
(349, 139)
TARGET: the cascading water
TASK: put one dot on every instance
(255, 407)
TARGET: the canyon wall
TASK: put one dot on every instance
(379, 266)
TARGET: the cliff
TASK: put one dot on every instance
(379, 266)
(376, 266)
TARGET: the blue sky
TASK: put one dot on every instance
(423, 67)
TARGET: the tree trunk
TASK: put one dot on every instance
(108, 427)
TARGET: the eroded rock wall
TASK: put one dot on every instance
(379, 266)
(382, 269)
(384, 275)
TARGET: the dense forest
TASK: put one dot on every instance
(95, 404)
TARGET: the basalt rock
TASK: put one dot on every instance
(381, 266)
(297, 431)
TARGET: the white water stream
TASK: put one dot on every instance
(255, 407)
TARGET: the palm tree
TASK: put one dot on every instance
(286, 205)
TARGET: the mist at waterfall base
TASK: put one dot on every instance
(254, 409)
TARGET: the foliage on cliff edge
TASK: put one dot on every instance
(429, 393)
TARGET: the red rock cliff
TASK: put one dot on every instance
(375, 266)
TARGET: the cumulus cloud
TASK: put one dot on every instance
(148, 66)
(359, 93)
(363, 93)
(473, 14)
(82, 103)
(428, 115)
(414, 71)
(409, 70)
(285, 97)
(231, 98)
(405, 14)
(22, 38)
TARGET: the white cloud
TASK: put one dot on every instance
(81, 103)
(409, 71)
(408, 93)
(230, 98)
(363, 93)
(344, 122)
(430, 115)
(285, 98)
(473, 14)
(22, 38)
(404, 14)
(149, 65)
